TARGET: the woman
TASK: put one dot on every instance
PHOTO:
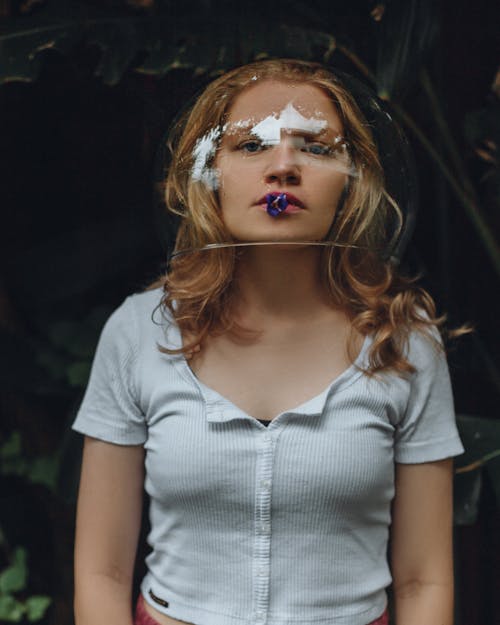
(288, 403)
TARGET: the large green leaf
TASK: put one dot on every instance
(481, 438)
(216, 45)
(39, 470)
(200, 39)
(78, 374)
(36, 606)
(18, 51)
(11, 610)
(45, 470)
(120, 40)
(62, 26)
(14, 577)
(59, 26)
(12, 460)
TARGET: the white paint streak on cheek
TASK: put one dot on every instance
(204, 150)
(334, 165)
(211, 177)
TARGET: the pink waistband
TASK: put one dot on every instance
(141, 616)
(382, 620)
(144, 618)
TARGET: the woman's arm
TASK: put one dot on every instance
(422, 552)
(107, 530)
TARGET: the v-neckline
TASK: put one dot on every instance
(311, 405)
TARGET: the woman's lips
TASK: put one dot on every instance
(294, 204)
(291, 208)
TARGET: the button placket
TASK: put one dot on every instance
(260, 617)
(262, 544)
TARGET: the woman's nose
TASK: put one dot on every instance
(283, 166)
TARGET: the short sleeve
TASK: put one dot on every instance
(427, 431)
(109, 410)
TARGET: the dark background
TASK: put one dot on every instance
(87, 95)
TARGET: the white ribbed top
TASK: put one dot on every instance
(253, 525)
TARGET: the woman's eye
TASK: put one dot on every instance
(318, 149)
(250, 146)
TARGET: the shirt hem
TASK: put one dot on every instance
(428, 452)
(200, 616)
(104, 434)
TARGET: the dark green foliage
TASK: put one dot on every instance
(88, 237)
(481, 439)
(13, 579)
(14, 576)
(203, 40)
(482, 133)
(406, 35)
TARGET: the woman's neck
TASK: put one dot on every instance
(279, 282)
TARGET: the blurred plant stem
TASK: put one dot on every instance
(460, 184)
(357, 62)
(478, 463)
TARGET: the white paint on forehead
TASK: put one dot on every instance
(269, 129)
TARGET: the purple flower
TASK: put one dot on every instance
(276, 203)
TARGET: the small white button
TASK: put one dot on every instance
(265, 484)
(259, 616)
(262, 571)
(267, 437)
(265, 528)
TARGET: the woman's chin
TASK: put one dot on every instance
(279, 239)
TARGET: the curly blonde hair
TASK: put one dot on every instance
(377, 299)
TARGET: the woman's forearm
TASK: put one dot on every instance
(421, 549)
(424, 602)
(102, 600)
(107, 528)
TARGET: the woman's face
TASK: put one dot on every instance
(281, 138)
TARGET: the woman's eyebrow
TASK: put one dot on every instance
(327, 130)
(240, 125)
(247, 129)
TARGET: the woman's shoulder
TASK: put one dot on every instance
(141, 305)
(425, 352)
(145, 303)
(139, 313)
